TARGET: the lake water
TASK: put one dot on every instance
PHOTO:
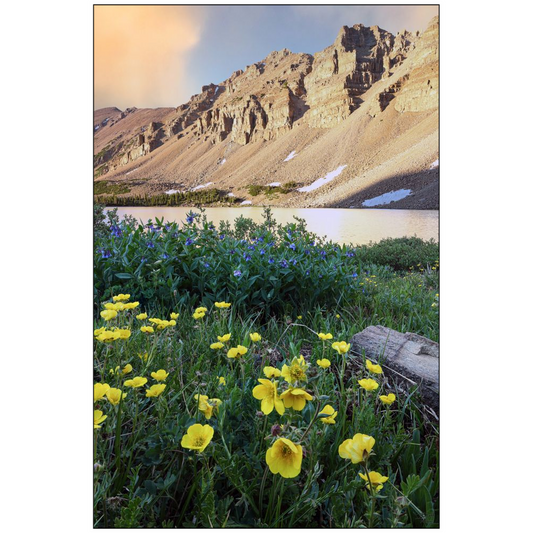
(344, 226)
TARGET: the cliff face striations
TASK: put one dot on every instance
(366, 85)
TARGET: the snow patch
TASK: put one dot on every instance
(172, 191)
(274, 184)
(246, 202)
(230, 194)
(387, 198)
(435, 164)
(132, 171)
(322, 181)
(222, 162)
(96, 128)
(202, 186)
(217, 89)
(290, 156)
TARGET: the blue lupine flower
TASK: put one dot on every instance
(306, 252)
(116, 231)
(284, 263)
(323, 253)
(211, 226)
(251, 247)
(175, 235)
(149, 244)
(262, 252)
(294, 261)
(247, 257)
(143, 259)
(271, 260)
(292, 246)
(312, 243)
(165, 256)
(188, 242)
(354, 275)
(307, 273)
(167, 226)
(222, 237)
(105, 253)
(206, 265)
(237, 273)
(261, 239)
(270, 244)
(232, 252)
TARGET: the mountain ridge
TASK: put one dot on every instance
(367, 103)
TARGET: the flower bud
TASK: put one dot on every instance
(275, 430)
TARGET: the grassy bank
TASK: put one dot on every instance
(229, 474)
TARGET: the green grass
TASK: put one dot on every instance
(149, 480)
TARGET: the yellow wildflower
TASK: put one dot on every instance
(197, 437)
(115, 395)
(147, 329)
(375, 369)
(299, 317)
(131, 305)
(108, 314)
(127, 369)
(121, 298)
(295, 398)
(100, 390)
(271, 372)
(99, 417)
(358, 448)
(114, 307)
(99, 331)
(208, 406)
(332, 414)
(155, 390)
(368, 384)
(376, 479)
(201, 309)
(267, 392)
(141, 316)
(325, 336)
(136, 382)
(296, 371)
(323, 363)
(238, 352)
(285, 458)
(255, 337)
(341, 347)
(224, 338)
(338, 316)
(155, 320)
(221, 380)
(222, 305)
(388, 399)
(143, 357)
(216, 346)
(198, 315)
(123, 333)
(173, 316)
(108, 336)
(160, 375)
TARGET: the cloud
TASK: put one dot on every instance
(141, 53)
(392, 18)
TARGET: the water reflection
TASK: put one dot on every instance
(345, 226)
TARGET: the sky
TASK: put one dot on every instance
(159, 56)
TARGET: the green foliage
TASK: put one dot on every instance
(203, 197)
(401, 254)
(264, 267)
(109, 187)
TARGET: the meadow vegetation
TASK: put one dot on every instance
(225, 390)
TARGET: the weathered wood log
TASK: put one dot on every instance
(413, 358)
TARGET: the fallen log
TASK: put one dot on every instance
(412, 358)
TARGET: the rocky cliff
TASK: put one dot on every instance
(227, 132)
